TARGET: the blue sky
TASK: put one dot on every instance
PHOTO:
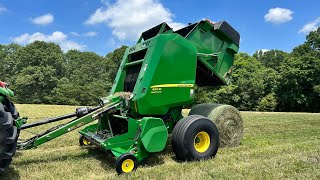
(103, 25)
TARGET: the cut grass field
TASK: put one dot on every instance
(275, 146)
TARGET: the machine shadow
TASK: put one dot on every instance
(106, 159)
(10, 174)
(156, 159)
(92, 153)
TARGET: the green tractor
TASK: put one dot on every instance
(156, 79)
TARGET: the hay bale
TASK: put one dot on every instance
(227, 119)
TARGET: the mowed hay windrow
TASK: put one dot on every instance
(227, 119)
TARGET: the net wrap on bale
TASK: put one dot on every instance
(227, 119)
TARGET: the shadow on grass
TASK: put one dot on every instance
(156, 159)
(106, 159)
(93, 152)
(10, 174)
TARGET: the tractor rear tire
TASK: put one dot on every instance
(8, 138)
(226, 117)
(194, 138)
(11, 108)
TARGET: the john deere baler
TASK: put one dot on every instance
(156, 78)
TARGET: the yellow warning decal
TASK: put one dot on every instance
(172, 85)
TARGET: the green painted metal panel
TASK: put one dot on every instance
(168, 69)
(4, 91)
(167, 76)
(154, 134)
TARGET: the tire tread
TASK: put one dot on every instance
(9, 142)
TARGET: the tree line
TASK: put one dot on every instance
(266, 81)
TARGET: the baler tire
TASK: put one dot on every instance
(126, 163)
(83, 141)
(194, 138)
(8, 138)
(226, 117)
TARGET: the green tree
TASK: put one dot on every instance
(267, 103)
(313, 39)
(38, 68)
(7, 62)
(297, 90)
(273, 58)
(86, 79)
(250, 83)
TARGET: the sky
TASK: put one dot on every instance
(103, 25)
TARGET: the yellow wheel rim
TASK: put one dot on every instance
(85, 142)
(202, 142)
(127, 165)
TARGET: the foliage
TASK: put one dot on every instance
(267, 103)
(41, 73)
(272, 58)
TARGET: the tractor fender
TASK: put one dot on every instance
(4, 91)
(154, 134)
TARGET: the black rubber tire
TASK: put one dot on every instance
(11, 108)
(183, 137)
(8, 139)
(82, 140)
(121, 159)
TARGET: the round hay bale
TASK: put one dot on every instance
(227, 118)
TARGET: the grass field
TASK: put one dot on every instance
(275, 146)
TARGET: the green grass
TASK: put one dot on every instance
(275, 146)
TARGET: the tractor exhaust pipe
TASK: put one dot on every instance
(79, 113)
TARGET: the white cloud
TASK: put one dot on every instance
(264, 50)
(56, 37)
(90, 34)
(87, 34)
(278, 15)
(43, 20)
(75, 34)
(311, 26)
(129, 18)
(3, 9)
(68, 45)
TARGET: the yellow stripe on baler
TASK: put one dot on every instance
(172, 85)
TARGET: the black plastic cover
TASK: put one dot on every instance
(154, 31)
(228, 30)
(131, 77)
